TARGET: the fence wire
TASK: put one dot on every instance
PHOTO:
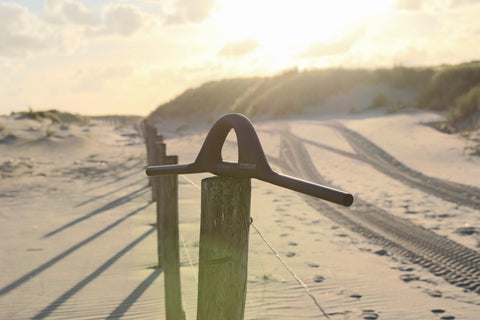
(275, 252)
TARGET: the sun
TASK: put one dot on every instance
(284, 27)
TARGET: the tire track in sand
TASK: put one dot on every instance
(454, 262)
(369, 152)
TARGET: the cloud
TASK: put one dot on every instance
(341, 45)
(458, 3)
(19, 33)
(239, 48)
(190, 11)
(69, 12)
(400, 26)
(121, 20)
(94, 79)
(408, 5)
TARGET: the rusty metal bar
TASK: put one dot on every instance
(252, 162)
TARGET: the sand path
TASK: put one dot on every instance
(77, 242)
(457, 264)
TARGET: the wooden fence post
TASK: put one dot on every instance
(151, 138)
(158, 155)
(224, 229)
(168, 241)
(156, 196)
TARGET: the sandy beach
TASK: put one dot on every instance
(76, 216)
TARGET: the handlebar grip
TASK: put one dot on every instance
(295, 184)
(312, 189)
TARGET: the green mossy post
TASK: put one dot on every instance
(225, 222)
(168, 241)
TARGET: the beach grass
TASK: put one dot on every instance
(448, 84)
(465, 105)
(55, 116)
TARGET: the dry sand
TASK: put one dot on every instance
(77, 241)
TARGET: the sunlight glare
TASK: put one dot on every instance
(284, 26)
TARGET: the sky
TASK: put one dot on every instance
(130, 56)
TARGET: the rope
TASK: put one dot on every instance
(295, 276)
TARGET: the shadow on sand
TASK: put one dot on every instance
(65, 253)
(92, 276)
(109, 193)
(113, 204)
(116, 180)
(133, 297)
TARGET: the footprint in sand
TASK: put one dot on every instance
(290, 254)
(409, 277)
(467, 231)
(312, 265)
(369, 315)
(381, 252)
(434, 293)
(404, 269)
(318, 278)
(293, 244)
(437, 311)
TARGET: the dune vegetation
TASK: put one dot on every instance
(55, 116)
(455, 89)
(450, 88)
(64, 119)
(289, 92)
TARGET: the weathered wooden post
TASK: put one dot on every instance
(157, 190)
(158, 154)
(225, 216)
(151, 139)
(149, 143)
(168, 240)
(224, 229)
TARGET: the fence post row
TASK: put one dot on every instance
(165, 193)
(225, 218)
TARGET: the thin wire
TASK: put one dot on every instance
(185, 245)
(183, 239)
(188, 256)
(307, 290)
(297, 278)
(191, 182)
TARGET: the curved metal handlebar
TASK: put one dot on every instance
(252, 162)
